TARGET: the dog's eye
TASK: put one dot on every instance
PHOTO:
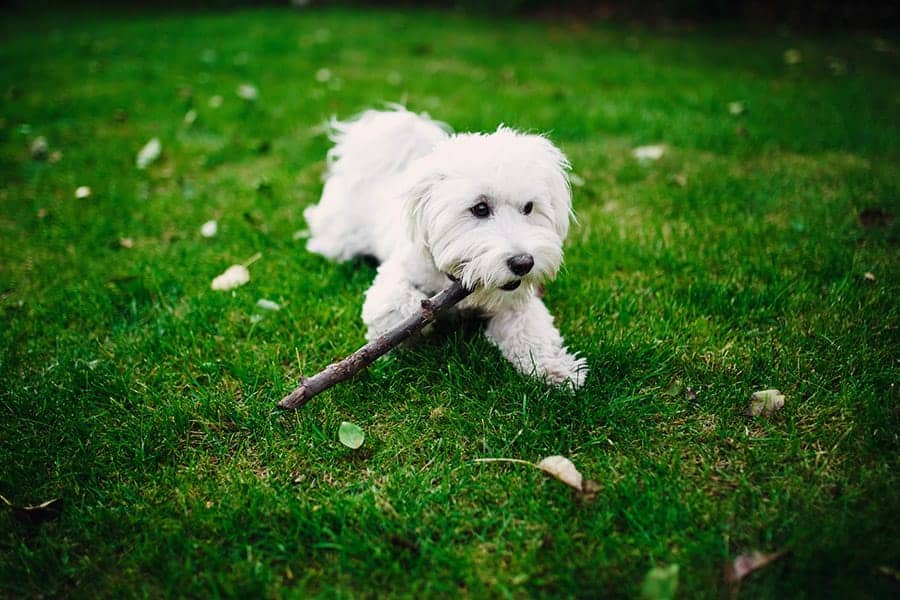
(481, 210)
(528, 208)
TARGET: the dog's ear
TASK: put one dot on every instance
(416, 189)
(555, 169)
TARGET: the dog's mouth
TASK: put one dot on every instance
(514, 284)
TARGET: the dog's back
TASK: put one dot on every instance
(368, 151)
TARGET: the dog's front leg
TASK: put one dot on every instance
(391, 299)
(527, 338)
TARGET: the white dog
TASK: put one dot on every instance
(491, 210)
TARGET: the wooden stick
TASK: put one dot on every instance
(362, 358)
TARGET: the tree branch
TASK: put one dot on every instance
(362, 358)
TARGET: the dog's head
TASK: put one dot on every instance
(493, 210)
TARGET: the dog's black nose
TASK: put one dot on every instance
(520, 263)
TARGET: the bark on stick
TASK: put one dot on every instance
(362, 358)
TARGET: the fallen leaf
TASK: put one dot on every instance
(39, 148)
(190, 116)
(149, 153)
(55, 157)
(234, 276)
(836, 65)
(736, 108)
(563, 469)
(660, 583)
(351, 435)
(869, 275)
(649, 153)
(267, 304)
(875, 217)
(792, 56)
(40, 513)
(674, 388)
(745, 564)
(216, 101)
(882, 45)
(248, 92)
(82, 192)
(765, 403)
(679, 179)
(126, 242)
(42, 213)
(209, 229)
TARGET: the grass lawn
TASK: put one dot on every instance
(759, 252)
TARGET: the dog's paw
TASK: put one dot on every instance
(380, 320)
(566, 371)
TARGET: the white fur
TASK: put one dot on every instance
(400, 187)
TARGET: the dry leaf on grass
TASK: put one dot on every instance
(792, 56)
(248, 91)
(267, 304)
(736, 108)
(82, 192)
(39, 148)
(648, 153)
(234, 276)
(149, 153)
(745, 564)
(562, 469)
(765, 403)
(209, 229)
(660, 583)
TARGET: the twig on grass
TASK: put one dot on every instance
(362, 358)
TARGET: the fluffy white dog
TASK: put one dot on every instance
(491, 210)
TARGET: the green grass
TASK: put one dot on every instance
(735, 263)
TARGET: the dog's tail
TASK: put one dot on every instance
(378, 144)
